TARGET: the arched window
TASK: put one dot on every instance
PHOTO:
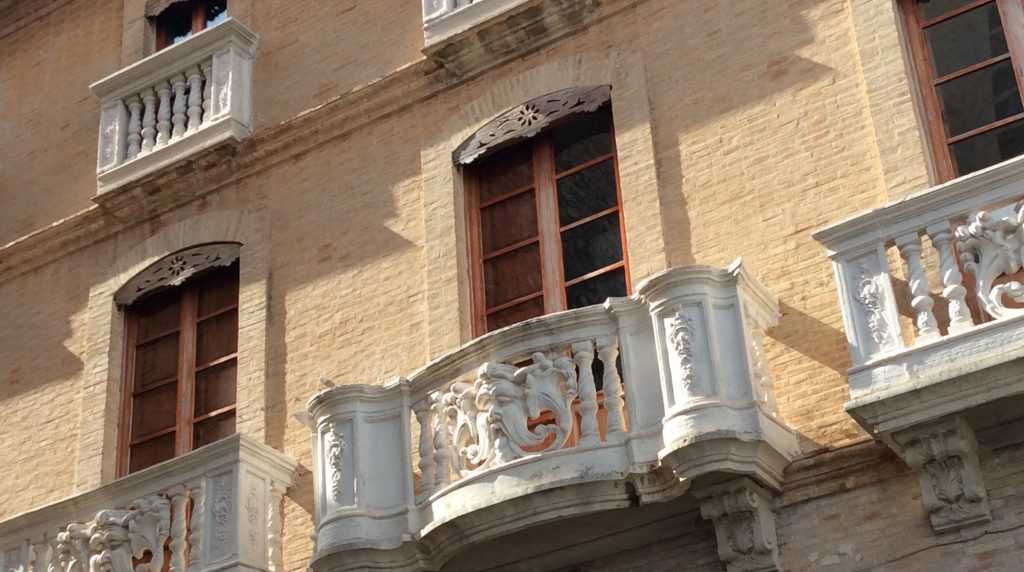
(544, 207)
(180, 355)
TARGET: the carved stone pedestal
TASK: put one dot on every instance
(944, 455)
(744, 525)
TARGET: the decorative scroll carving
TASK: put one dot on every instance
(275, 561)
(175, 268)
(744, 526)
(111, 541)
(764, 383)
(530, 118)
(221, 511)
(489, 421)
(335, 450)
(990, 248)
(944, 455)
(680, 337)
(869, 292)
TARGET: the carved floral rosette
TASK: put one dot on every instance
(989, 248)
(487, 423)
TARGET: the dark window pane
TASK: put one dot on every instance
(989, 148)
(151, 452)
(507, 171)
(935, 8)
(216, 12)
(591, 246)
(508, 222)
(218, 290)
(586, 192)
(175, 22)
(156, 361)
(154, 410)
(515, 314)
(597, 289)
(158, 314)
(512, 275)
(217, 337)
(215, 387)
(583, 138)
(979, 98)
(966, 39)
(213, 429)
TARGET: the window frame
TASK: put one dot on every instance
(185, 373)
(549, 228)
(200, 9)
(1011, 13)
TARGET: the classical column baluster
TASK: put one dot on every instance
(426, 448)
(179, 527)
(207, 100)
(952, 281)
(40, 557)
(148, 120)
(180, 105)
(134, 125)
(442, 454)
(910, 249)
(163, 114)
(583, 355)
(608, 353)
(274, 555)
(197, 491)
(195, 98)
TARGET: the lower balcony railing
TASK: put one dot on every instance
(217, 508)
(663, 391)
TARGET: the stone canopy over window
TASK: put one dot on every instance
(175, 268)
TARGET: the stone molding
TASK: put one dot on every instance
(744, 525)
(944, 454)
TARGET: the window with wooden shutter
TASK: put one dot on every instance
(546, 226)
(967, 54)
(180, 369)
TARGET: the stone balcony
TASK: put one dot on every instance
(934, 318)
(175, 104)
(641, 400)
(216, 508)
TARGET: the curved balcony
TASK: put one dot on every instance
(606, 407)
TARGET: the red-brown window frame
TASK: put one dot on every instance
(1012, 14)
(199, 15)
(185, 418)
(549, 229)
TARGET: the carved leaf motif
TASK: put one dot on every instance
(989, 248)
(870, 294)
(335, 451)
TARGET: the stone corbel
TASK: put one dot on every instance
(744, 525)
(944, 455)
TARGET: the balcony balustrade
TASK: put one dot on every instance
(552, 418)
(216, 508)
(175, 103)
(931, 350)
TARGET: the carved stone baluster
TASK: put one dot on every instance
(134, 125)
(207, 101)
(179, 527)
(910, 249)
(195, 98)
(583, 355)
(442, 452)
(274, 555)
(197, 491)
(953, 290)
(608, 353)
(148, 120)
(163, 114)
(426, 446)
(40, 557)
(180, 105)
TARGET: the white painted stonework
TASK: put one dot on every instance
(443, 19)
(216, 508)
(175, 103)
(956, 360)
(412, 473)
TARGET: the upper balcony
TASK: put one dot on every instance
(628, 403)
(216, 508)
(175, 104)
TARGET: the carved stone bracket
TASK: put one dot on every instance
(744, 525)
(944, 455)
(175, 268)
(530, 118)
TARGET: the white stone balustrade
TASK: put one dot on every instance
(217, 508)
(443, 19)
(175, 103)
(409, 474)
